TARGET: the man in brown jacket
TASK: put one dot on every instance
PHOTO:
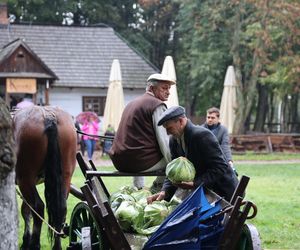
(140, 145)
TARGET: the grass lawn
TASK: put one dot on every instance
(273, 188)
(252, 156)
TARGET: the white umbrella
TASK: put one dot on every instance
(114, 105)
(169, 70)
(228, 101)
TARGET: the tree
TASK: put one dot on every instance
(8, 203)
(204, 52)
(266, 32)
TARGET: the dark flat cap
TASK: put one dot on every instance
(171, 114)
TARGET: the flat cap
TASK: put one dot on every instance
(161, 77)
(171, 114)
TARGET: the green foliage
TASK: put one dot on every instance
(204, 56)
(38, 11)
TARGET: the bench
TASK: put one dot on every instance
(243, 143)
(282, 143)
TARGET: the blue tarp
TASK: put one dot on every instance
(194, 224)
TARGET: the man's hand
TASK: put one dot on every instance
(233, 168)
(185, 185)
(156, 197)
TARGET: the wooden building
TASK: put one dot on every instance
(66, 66)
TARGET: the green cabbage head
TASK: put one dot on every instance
(128, 214)
(180, 169)
(155, 214)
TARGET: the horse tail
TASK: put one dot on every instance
(54, 192)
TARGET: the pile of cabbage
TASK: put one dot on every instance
(135, 215)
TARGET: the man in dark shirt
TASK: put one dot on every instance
(201, 147)
(221, 132)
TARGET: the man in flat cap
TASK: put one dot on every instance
(140, 145)
(201, 147)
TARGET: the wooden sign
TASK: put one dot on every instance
(21, 85)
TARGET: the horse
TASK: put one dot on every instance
(46, 141)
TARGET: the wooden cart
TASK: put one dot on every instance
(94, 226)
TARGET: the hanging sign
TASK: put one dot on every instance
(21, 85)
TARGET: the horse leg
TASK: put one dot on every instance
(57, 239)
(37, 222)
(57, 243)
(25, 211)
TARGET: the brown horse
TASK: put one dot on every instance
(46, 151)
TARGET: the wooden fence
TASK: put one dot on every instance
(267, 143)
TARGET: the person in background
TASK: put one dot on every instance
(26, 102)
(213, 124)
(90, 127)
(107, 143)
(201, 147)
(139, 144)
(13, 102)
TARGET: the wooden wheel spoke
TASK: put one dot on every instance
(79, 221)
(85, 218)
(82, 217)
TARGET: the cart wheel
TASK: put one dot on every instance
(82, 217)
(249, 239)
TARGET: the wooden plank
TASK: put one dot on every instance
(90, 173)
(83, 166)
(76, 192)
(107, 220)
(240, 189)
(100, 180)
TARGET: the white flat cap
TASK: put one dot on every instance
(161, 77)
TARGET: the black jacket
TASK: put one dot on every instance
(204, 151)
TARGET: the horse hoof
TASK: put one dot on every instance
(24, 247)
(35, 247)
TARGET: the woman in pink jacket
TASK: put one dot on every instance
(90, 127)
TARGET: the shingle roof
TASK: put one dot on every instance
(10, 48)
(81, 56)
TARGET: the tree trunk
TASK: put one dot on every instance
(262, 108)
(247, 91)
(282, 116)
(238, 74)
(8, 203)
(295, 128)
(271, 113)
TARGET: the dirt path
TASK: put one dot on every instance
(99, 161)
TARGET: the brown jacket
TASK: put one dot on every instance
(135, 147)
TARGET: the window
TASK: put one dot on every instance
(94, 103)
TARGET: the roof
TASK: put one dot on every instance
(81, 56)
(10, 48)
